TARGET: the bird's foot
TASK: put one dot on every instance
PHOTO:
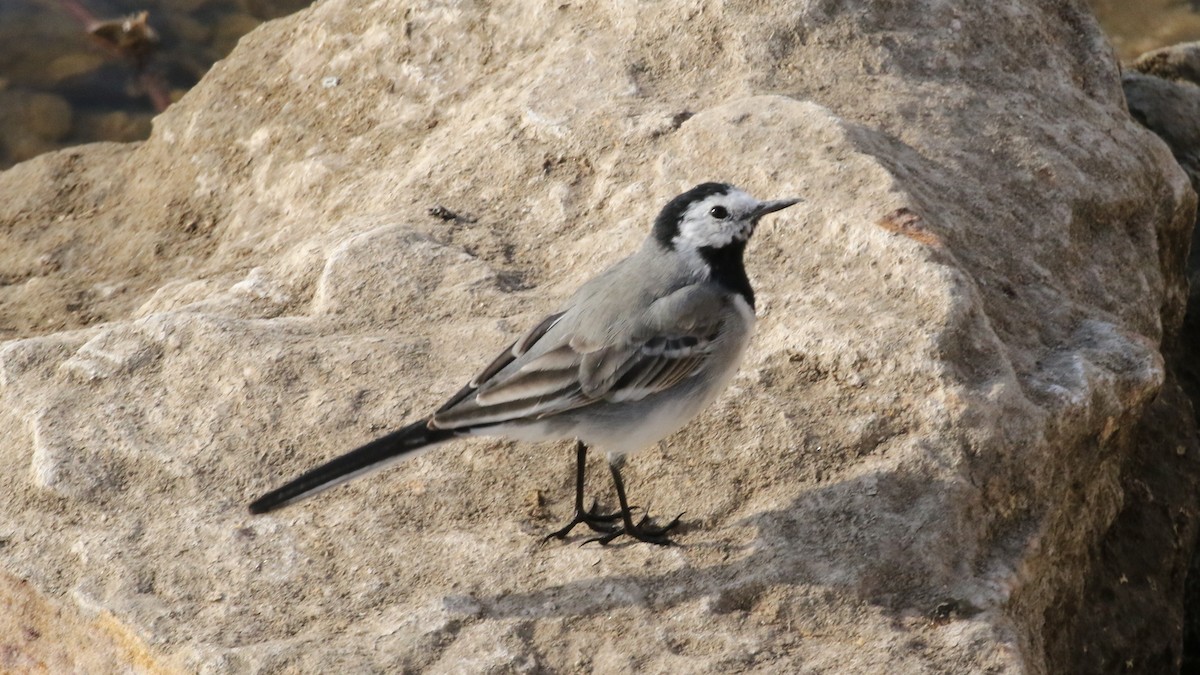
(599, 522)
(642, 531)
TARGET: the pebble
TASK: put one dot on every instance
(75, 63)
(47, 116)
(20, 145)
(42, 116)
(115, 125)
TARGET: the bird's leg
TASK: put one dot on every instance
(600, 522)
(641, 531)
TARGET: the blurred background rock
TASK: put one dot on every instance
(61, 85)
(1136, 27)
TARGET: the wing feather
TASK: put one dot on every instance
(518, 348)
(554, 368)
(532, 384)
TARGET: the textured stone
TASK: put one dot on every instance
(38, 635)
(1163, 92)
(959, 334)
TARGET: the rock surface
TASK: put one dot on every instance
(959, 344)
(1162, 88)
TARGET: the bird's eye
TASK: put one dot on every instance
(719, 212)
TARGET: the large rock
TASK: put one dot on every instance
(1162, 88)
(959, 338)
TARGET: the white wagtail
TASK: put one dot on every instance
(634, 355)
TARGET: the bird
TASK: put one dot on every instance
(630, 358)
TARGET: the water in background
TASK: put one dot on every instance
(77, 71)
(61, 85)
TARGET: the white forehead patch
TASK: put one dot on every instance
(699, 228)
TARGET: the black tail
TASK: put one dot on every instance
(371, 456)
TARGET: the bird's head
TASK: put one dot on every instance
(712, 216)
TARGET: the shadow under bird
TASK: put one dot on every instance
(634, 355)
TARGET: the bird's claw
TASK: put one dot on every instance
(641, 531)
(602, 517)
(598, 522)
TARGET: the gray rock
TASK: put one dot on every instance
(1177, 63)
(959, 335)
(1163, 93)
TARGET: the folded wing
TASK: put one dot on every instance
(554, 368)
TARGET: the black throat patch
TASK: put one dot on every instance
(728, 269)
(666, 226)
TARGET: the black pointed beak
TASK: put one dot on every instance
(773, 206)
